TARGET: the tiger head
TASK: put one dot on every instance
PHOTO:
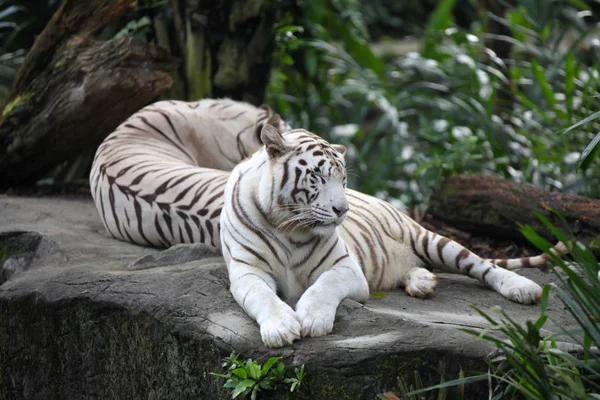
(308, 179)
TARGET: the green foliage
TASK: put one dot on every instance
(414, 389)
(139, 28)
(9, 60)
(456, 106)
(390, 18)
(589, 150)
(248, 378)
(532, 366)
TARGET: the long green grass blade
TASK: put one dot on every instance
(586, 154)
(440, 19)
(456, 382)
(584, 121)
(569, 82)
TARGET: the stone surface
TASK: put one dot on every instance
(85, 316)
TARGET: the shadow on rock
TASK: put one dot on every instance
(21, 250)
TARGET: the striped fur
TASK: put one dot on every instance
(293, 252)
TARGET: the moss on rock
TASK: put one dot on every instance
(17, 101)
(233, 66)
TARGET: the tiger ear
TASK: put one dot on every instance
(272, 138)
(275, 120)
(266, 108)
(339, 148)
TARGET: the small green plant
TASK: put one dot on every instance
(248, 378)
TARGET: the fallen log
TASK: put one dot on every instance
(73, 90)
(496, 207)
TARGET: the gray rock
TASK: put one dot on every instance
(178, 254)
(89, 317)
(20, 251)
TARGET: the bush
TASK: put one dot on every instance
(454, 107)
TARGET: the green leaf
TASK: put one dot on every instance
(440, 19)
(584, 121)
(240, 373)
(242, 387)
(268, 365)
(255, 392)
(231, 384)
(455, 382)
(219, 375)
(579, 4)
(378, 295)
(544, 300)
(311, 63)
(299, 372)
(569, 81)
(587, 344)
(586, 154)
(266, 384)
(540, 77)
(538, 241)
(254, 371)
(542, 319)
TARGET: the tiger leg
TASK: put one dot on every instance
(255, 291)
(450, 256)
(420, 282)
(318, 304)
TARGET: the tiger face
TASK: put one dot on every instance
(309, 180)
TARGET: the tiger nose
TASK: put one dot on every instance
(340, 210)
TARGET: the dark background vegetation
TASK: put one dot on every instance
(416, 92)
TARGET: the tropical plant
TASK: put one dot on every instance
(249, 378)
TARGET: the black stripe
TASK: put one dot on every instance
(159, 229)
(414, 248)
(245, 219)
(144, 120)
(464, 253)
(138, 214)
(323, 258)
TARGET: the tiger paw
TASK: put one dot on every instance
(316, 320)
(519, 289)
(281, 329)
(421, 283)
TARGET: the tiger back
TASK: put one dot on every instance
(158, 179)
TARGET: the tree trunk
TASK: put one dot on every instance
(72, 90)
(496, 207)
(226, 47)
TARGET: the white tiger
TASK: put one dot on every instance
(295, 240)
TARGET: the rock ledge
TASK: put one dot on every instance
(85, 316)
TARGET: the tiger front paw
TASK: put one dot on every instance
(316, 319)
(280, 329)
